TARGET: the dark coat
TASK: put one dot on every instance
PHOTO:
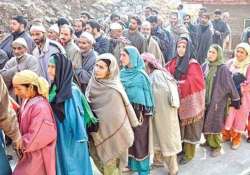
(102, 45)
(223, 88)
(204, 40)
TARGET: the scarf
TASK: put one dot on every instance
(135, 80)
(30, 77)
(213, 67)
(242, 66)
(61, 88)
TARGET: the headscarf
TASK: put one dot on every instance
(62, 85)
(213, 67)
(183, 62)
(242, 65)
(30, 77)
(150, 58)
(135, 80)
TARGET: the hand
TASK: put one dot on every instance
(18, 144)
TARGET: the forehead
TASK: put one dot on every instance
(65, 30)
(132, 20)
(36, 32)
(14, 21)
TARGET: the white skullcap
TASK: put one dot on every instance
(88, 36)
(54, 28)
(116, 26)
(20, 41)
(37, 28)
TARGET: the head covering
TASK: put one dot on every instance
(62, 85)
(242, 65)
(213, 67)
(88, 36)
(20, 41)
(62, 20)
(38, 27)
(150, 58)
(135, 80)
(54, 28)
(30, 77)
(20, 19)
(183, 62)
(116, 26)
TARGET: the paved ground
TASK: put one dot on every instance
(230, 163)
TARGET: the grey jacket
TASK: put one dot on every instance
(73, 53)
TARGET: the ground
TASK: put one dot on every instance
(231, 162)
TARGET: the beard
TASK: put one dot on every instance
(147, 36)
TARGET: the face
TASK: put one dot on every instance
(23, 91)
(15, 26)
(53, 35)
(173, 19)
(19, 50)
(204, 20)
(181, 49)
(133, 24)
(147, 12)
(38, 37)
(217, 16)
(212, 54)
(124, 58)
(78, 26)
(51, 71)
(116, 33)
(84, 45)
(146, 30)
(115, 19)
(101, 70)
(187, 19)
(89, 29)
(65, 35)
(84, 18)
(241, 54)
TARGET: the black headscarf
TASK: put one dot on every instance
(183, 62)
(63, 82)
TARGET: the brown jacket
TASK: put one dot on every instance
(8, 119)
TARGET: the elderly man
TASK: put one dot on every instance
(134, 35)
(44, 48)
(101, 42)
(72, 50)
(9, 124)
(21, 61)
(17, 26)
(153, 46)
(53, 32)
(85, 69)
(117, 40)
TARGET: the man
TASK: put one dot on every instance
(17, 27)
(85, 69)
(134, 36)
(3, 58)
(147, 12)
(192, 29)
(165, 39)
(72, 50)
(85, 16)
(204, 38)
(44, 48)
(101, 42)
(21, 61)
(220, 28)
(176, 28)
(227, 44)
(152, 44)
(9, 124)
(53, 32)
(181, 13)
(117, 40)
(79, 27)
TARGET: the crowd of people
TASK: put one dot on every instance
(129, 93)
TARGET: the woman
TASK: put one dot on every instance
(191, 86)
(219, 88)
(37, 125)
(237, 119)
(69, 107)
(165, 123)
(105, 93)
(138, 88)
